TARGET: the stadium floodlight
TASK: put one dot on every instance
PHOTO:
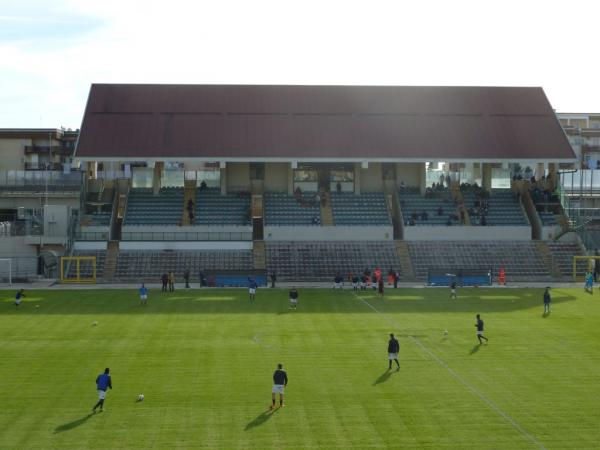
(6, 268)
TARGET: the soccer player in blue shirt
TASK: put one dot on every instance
(252, 285)
(143, 294)
(18, 296)
(103, 382)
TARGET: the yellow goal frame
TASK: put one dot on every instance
(590, 266)
(64, 260)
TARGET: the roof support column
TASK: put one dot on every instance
(423, 178)
(357, 167)
(486, 176)
(290, 177)
(223, 177)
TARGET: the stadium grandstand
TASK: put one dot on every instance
(309, 181)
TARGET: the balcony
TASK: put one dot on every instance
(43, 166)
(46, 149)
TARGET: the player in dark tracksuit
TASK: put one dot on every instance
(393, 350)
(479, 326)
(280, 381)
(547, 301)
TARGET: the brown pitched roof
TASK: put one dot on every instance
(320, 122)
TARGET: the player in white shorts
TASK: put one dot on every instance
(252, 285)
(280, 381)
(293, 298)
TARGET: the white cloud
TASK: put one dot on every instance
(309, 42)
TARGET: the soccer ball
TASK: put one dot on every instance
(445, 332)
(140, 397)
(95, 323)
(37, 306)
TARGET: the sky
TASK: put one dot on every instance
(52, 51)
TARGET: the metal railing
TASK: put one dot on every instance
(54, 180)
(186, 236)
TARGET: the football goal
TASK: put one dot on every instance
(78, 269)
(582, 265)
(6, 270)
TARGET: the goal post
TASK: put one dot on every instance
(6, 270)
(583, 264)
(78, 269)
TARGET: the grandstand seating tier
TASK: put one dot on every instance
(321, 261)
(359, 209)
(284, 209)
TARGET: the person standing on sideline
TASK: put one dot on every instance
(479, 326)
(186, 277)
(589, 282)
(380, 286)
(171, 281)
(453, 290)
(396, 279)
(393, 350)
(18, 296)
(273, 279)
(143, 294)
(280, 381)
(165, 281)
(293, 298)
(252, 285)
(103, 382)
(547, 300)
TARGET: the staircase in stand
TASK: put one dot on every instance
(326, 211)
(407, 272)
(189, 193)
(259, 255)
(110, 262)
(548, 259)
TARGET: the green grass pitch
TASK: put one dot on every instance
(204, 361)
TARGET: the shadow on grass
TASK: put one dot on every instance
(261, 419)
(475, 349)
(383, 377)
(73, 424)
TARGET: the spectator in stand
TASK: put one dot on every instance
(338, 187)
(411, 222)
(190, 205)
(424, 215)
(402, 186)
(440, 211)
(191, 217)
(203, 185)
(165, 280)
(449, 222)
(483, 221)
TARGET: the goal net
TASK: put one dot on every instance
(584, 264)
(6, 274)
(78, 269)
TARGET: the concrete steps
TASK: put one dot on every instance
(407, 272)
(110, 262)
(189, 193)
(326, 211)
(259, 257)
(548, 260)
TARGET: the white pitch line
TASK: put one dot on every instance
(462, 381)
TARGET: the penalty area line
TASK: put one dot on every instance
(462, 381)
